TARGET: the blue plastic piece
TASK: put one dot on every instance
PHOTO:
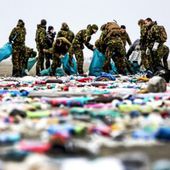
(5, 51)
(96, 66)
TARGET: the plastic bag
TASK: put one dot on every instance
(96, 66)
(5, 51)
(30, 63)
(66, 66)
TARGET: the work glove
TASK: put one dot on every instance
(155, 46)
(147, 51)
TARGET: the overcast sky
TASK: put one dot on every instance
(79, 13)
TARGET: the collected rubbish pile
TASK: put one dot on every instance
(81, 115)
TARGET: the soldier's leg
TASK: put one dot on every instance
(55, 63)
(165, 56)
(47, 60)
(40, 62)
(108, 55)
(15, 63)
(80, 60)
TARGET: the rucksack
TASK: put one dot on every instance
(112, 25)
(163, 34)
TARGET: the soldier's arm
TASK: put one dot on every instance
(13, 35)
(42, 38)
(129, 40)
(59, 34)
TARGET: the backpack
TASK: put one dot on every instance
(112, 25)
(163, 34)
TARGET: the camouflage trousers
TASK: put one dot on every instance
(40, 61)
(146, 60)
(115, 50)
(18, 56)
(163, 53)
(55, 63)
(79, 58)
(48, 58)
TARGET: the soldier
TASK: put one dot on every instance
(115, 50)
(156, 37)
(17, 38)
(41, 43)
(100, 43)
(82, 38)
(125, 36)
(66, 32)
(145, 59)
(29, 53)
(60, 48)
(50, 39)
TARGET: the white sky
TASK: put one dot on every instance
(79, 13)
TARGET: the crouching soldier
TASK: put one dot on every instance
(60, 47)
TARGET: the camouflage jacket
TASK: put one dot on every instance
(82, 37)
(153, 35)
(125, 38)
(68, 34)
(143, 36)
(17, 36)
(41, 37)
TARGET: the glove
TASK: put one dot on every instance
(137, 47)
(147, 51)
(155, 46)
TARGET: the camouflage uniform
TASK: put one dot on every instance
(81, 38)
(50, 40)
(60, 47)
(116, 51)
(100, 44)
(29, 52)
(125, 38)
(41, 43)
(145, 59)
(17, 38)
(66, 32)
(153, 36)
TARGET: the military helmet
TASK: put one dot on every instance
(94, 27)
(43, 22)
(20, 22)
(64, 26)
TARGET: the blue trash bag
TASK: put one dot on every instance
(70, 70)
(30, 63)
(5, 51)
(46, 72)
(96, 65)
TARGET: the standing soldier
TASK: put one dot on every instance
(17, 38)
(82, 38)
(66, 32)
(156, 37)
(41, 43)
(50, 39)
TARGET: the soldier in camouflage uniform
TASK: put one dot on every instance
(145, 59)
(115, 50)
(50, 39)
(100, 43)
(29, 53)
(41, 43)
(17, 38)
(125, 36)
(60, 48)
(66, 32)
(82, 38)
(155, 44)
